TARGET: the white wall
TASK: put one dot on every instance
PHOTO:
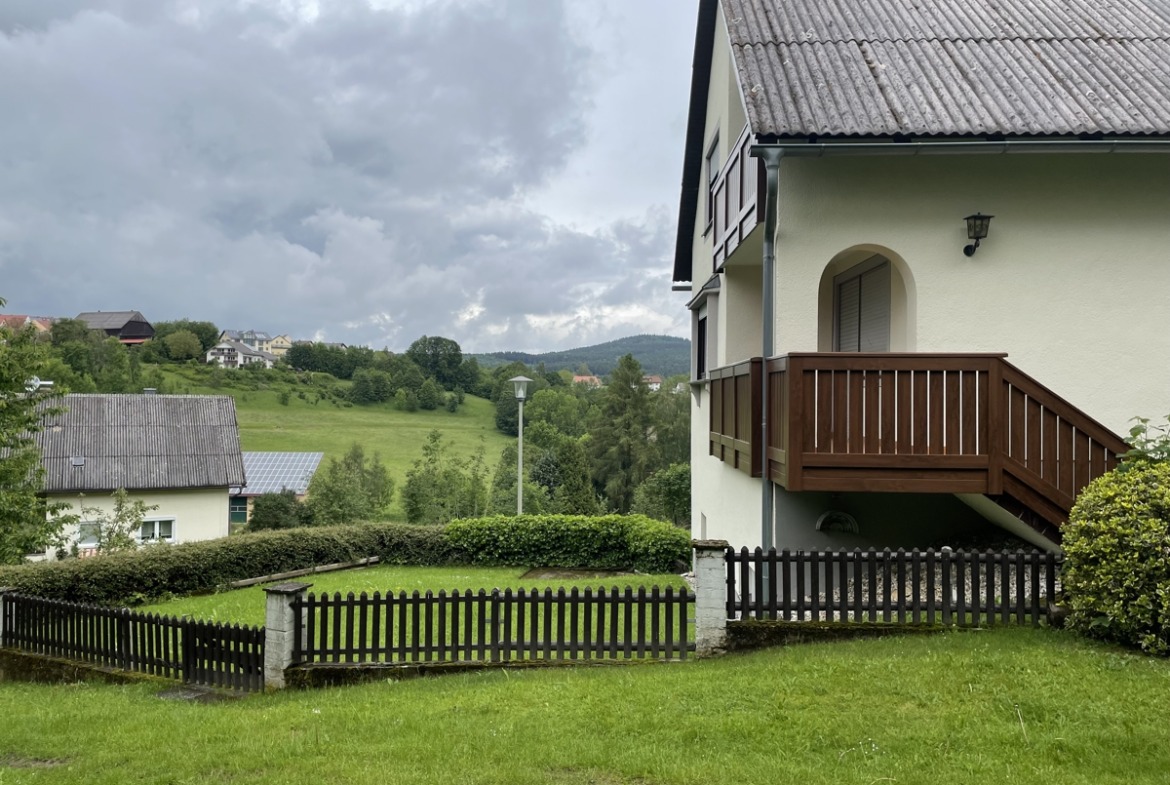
(1071, 281)
(198, 514)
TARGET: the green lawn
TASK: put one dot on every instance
(1017, 706)
(246, 606)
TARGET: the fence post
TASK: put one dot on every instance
(4, 620)
(280, 630)
(710, 596)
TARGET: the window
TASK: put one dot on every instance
(159, 530)
(87, 535)
(701, 348)
(862, 305)
(713, 165)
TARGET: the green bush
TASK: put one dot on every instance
(1116, 574)
(205, 566)
(608, 542)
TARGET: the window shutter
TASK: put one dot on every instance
(874, 327)
(848, 315)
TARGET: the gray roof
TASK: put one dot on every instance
(950, 68)
(109, 320)
(142, 442)
(273, 472)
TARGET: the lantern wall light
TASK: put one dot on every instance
(976, 230)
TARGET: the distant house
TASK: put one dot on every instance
(19, 322)
(233, 354)
(653, 382)
(255, 339)
(129, 327)
(588, 381)
(180, 452)
(279, 345)
(272, 472)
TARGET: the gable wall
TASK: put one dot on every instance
(1070, 282)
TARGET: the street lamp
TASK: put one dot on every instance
(521, 385)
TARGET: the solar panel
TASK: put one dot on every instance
(271, 472)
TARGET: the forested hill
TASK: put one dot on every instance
(658, 354)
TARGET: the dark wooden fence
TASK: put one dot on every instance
(499, 626)
(197, 652)
(960, 588)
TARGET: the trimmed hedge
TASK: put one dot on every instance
(608, 542)
(611, 542)
(196, 567)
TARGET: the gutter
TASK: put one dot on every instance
(773, 152)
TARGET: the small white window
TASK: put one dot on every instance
(160, 530)
(87, 535)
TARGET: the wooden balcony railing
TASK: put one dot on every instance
(734, 210)
(924, 423)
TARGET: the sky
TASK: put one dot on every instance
(501, 172)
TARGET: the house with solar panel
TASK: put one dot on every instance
(272, 472)
(179, 453)
(924, 246)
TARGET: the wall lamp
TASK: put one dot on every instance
(976, 230)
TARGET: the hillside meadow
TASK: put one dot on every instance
(323, 426)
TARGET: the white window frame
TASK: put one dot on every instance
(156, 520)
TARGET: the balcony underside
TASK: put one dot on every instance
(910, 423)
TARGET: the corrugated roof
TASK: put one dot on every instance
(142, 442)
(838, 68)
(108, 320)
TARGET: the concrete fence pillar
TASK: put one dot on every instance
(281, 630)
(4, 621)
(710, 596)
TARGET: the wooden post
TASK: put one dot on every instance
(281, 630)
(4, 620)
(710, 596)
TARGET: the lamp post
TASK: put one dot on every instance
(520, 383)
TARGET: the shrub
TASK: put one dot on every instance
(608, 542)
(205, 566)
(1116, 573)
(278, 511)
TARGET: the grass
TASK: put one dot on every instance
(246, 606)
(1018, 706)
(302, 426)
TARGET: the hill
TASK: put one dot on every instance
(663, 355)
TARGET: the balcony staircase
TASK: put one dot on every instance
(911, 423)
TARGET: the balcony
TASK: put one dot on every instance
(920, 423)
(733, 208)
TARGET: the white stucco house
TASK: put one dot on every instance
(235, 354)
(179, 452)
(865, 371)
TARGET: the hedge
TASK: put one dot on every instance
(189, 568)
(609, 542)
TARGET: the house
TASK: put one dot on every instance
(19, 322)
(234, 354)
(587, 380)
(279, 345)
(925, 249)
(180, 452)
(129, 327)
(653, 381)
(254, 339)
(272, 472)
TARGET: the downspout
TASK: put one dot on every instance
(771, 157)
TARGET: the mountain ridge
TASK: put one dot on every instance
(661, 355)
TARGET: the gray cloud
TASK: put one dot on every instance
(356, 173)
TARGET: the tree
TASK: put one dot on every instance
(72, 331)
(440, 488)
(666, 495)
(183, 345)
(621, 445)
(439, 358)
(111, 366)
(430, 396)
(205, 332)
(352, 489)
(575, 494)
(278, 511)
(27, 522)
(119, 529)
(559, 408)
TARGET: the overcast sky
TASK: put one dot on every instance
(501, 172)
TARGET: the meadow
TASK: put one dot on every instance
(1022, 706)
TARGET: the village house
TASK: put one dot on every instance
(922, 244)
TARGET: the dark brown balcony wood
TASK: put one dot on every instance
(922, 423)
